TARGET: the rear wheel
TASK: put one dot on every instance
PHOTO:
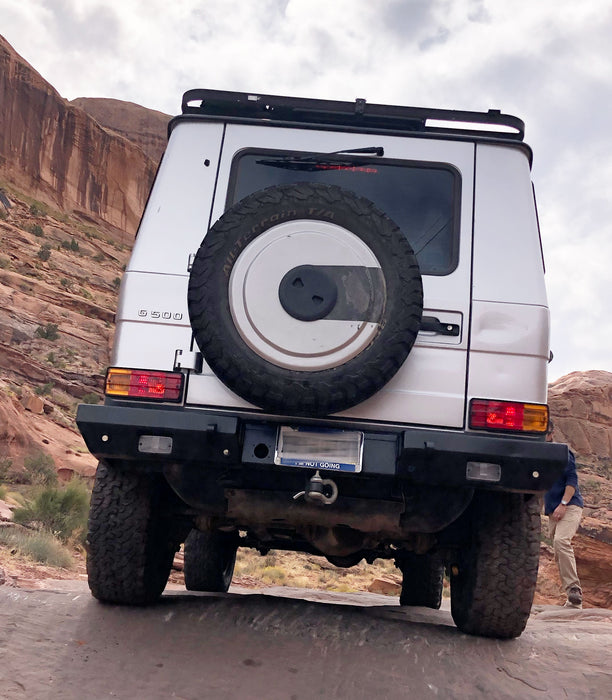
(129, 544)
(209, 560)
(423, 579)
(493, 580)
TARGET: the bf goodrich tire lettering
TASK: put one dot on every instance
(259, 345)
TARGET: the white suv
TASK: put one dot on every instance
(332, 337)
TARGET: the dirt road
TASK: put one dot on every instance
(285, 644)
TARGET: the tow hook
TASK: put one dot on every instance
(318, 490)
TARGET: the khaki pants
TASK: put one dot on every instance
(562, 532)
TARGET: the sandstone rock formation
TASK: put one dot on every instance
(59, 154)
(146, 128)
(581, 406)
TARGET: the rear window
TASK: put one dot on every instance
(422, 198)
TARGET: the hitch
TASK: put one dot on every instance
(319, 490)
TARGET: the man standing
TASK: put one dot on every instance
(563, 504)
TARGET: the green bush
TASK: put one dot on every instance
(37, 230)
(45, 252)
(91, 398)
(48, 332)
(45, 389)
(40, 469)
(70, 245)
(40, 546)
(116, 282)
(59, 510)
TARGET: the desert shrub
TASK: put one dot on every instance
(3, 214)
(40, 469)
(91, 398)
(45, 252)
(59, 510)
(48, 331)
(5, 468)
(99, 257)
(3, 492)
(38, 209)
(37, 230)
(4, 263)
(72, 244)
(116, 282)
(45, 389)
(273, 574)
(40, 546)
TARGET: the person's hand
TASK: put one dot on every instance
(558, 512)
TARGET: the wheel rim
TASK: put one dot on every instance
(261, 316)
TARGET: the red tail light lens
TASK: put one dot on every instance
(513, 416)
(144, 384)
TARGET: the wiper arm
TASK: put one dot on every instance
(368, 150)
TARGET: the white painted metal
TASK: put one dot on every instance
(178, 211)
(425, 391)
(500, 305)
(256, 309)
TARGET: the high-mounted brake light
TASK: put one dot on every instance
(144, 384)
(508, 416)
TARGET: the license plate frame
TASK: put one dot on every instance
(317, 448)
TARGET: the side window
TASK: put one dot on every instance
(422, 198)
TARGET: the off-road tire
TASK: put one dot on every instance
(422, 580)
(209, 561)
(493, 580)
(129, 547)
(276, 388)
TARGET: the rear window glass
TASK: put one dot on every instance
(422, 199)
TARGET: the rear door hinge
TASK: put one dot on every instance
(186, 359)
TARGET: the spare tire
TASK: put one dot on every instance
(305, 299)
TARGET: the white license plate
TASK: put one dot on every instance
(335, 450)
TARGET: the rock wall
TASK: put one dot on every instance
(147, 128)
(581, 408)
(61, 155)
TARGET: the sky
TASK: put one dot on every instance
(546, 61)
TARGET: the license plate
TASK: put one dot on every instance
(335, 450)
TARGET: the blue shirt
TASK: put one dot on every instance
(568, 478)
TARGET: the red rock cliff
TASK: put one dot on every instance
(61, 155)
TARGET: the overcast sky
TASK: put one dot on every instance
(547, 61)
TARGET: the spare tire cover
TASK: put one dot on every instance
(305, 299)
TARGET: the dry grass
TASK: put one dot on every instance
(298, 570)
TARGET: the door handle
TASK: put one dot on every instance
(431, 324)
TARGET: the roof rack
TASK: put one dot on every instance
(358, 114)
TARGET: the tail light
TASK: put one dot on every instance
(511, 416)
(144, 384)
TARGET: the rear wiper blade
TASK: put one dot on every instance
(369, 150)
(296, 162)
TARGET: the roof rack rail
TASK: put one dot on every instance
(353, 114)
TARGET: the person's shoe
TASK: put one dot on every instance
(574, 597)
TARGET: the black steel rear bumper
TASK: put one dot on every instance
(220, 438)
